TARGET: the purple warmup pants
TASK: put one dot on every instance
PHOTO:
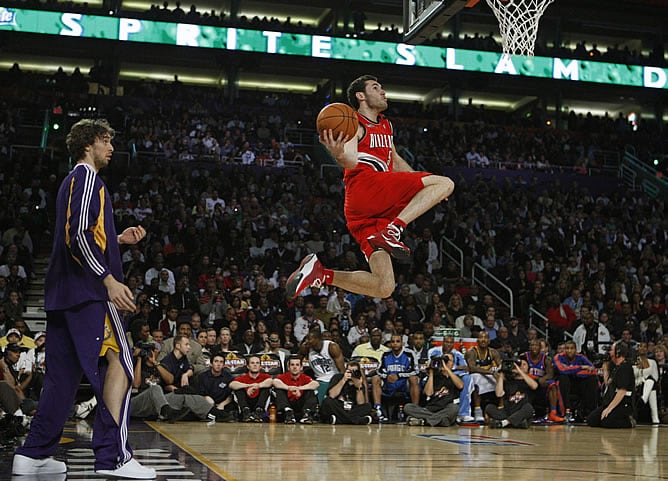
(74, 340)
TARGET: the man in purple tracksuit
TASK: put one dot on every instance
(83, 296)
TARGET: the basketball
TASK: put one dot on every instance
(340, 118)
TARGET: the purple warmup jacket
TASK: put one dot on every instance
(86, 247)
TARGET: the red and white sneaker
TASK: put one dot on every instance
(389, 240)
(310, 273)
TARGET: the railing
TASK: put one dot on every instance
(300, 137)
(494, 286)
(608, 159)
(628, 176)
(638, 175)
(208, 159)
(449, 249)
(533, 313)
(556, 169)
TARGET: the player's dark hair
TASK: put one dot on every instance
(84, 133)
(358, 85)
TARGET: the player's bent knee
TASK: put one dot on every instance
(448, 186)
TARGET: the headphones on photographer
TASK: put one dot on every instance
(621, 349)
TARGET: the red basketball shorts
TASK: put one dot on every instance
(374, 199)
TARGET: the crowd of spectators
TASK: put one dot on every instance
(353, 22)
(223, 236)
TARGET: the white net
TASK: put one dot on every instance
(518, 23)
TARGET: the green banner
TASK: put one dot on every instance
(321, 46)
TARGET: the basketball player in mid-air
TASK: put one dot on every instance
(383, 194)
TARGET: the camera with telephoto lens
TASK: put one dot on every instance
(437, 362)
(356, 373)
(146, 348)
(508, 366)
(599, 359)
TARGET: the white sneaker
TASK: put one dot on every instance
(465, 419)
(84, 409)
(40, 477)
(130, 470)
(25, 465)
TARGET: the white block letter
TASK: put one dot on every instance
(272, 41)
(128, 26)
(451, 61)
(71, 21)
(321, 46)
(186, 34)
(505, 65)
(570, 71)
(406, 56)
(654, 77)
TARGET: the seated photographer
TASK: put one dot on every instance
(513, 385)
(646, 372)
(441, 390)
(483, 362)
(541, 370)
(151, 401)
(22, 376)
(10, 404)
(397, 377)
(295, 393)
(461, 369)
(347, 400)
(616, 410)
(576, 375)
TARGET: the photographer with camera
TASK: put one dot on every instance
(616, 410)
(347, 400)
(461, 369)
(152, 401)
(513, 385)
(441, 390)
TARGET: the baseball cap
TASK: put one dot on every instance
(13, 330)
(12, 346)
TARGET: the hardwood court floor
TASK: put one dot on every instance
(276, 452)
(253, 452)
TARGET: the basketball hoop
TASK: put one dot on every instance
(518, 23)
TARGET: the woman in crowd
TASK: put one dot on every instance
(646, 374)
